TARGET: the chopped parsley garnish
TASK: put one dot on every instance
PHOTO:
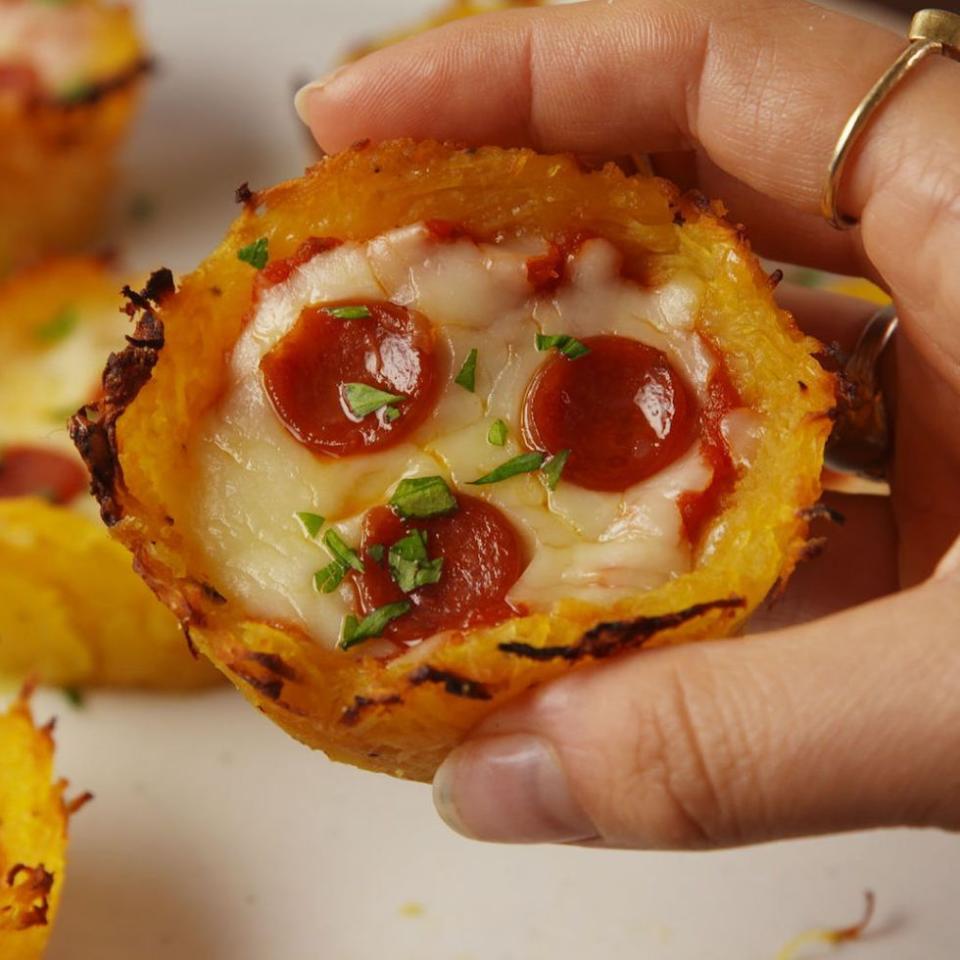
(330, 577)
(553, 468)
(256, 254)
(358, 312)
(345, 558)
(311, 523)
(74, 696)
(423, 497)
(76, 93)
(345, 555)
(569, 346)
(391, 414)
(497, 435)
(376, 552)
(362, 399)
(525, 463)
(353, 631)
(410, 566)
(467, 377)
(59, 326)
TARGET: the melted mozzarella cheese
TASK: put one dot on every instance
(253, 476)
(55, 40)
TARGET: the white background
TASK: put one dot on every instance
(214, 837)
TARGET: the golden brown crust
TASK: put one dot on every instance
(404, 715)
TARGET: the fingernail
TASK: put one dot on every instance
(509, 789)
(306, 92)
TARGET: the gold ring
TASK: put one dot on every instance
(860, 443)
(932, 31)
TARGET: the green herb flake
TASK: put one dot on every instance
(422, 497)
(362, 399)
(59, 326)
(353, 632)
(391, 414)
(569, 346)
(256, 254)
(74, 696)
(553, 468)
(497, 435)
(525, 463)
(330, 577)
(142, 208)
(376, 552)
(347, 556)
(410, 566)
(467, 377)
(348, 630)
(311, 523)
(358, 312)
(77, 92)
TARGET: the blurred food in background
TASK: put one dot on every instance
(72, 612)
(34, 817)
(70, 74)
(454, 10)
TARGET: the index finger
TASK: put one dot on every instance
(762, 87)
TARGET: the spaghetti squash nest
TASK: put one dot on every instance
(33, 833)
(60, 141)
(72, 612)
(402, 715)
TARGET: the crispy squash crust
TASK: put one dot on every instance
(57, 161)
(404, 715)
(72, 612)
(33, 834)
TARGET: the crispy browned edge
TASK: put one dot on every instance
(33, 885)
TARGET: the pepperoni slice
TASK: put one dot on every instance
(36, 472)
(308, 374)
(482, 559)
(622, 411)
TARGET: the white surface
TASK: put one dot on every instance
(214, 837)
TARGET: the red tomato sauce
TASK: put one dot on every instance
(27, 471)
(698, 508)
(482, 559)
(622, 411)
(280, 270)
(306, 376)
(548, 271)
(447, 231)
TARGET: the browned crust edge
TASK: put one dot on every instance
(93, 427)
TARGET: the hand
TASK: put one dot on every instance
(847, 716)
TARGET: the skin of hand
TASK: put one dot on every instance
(841, 712)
